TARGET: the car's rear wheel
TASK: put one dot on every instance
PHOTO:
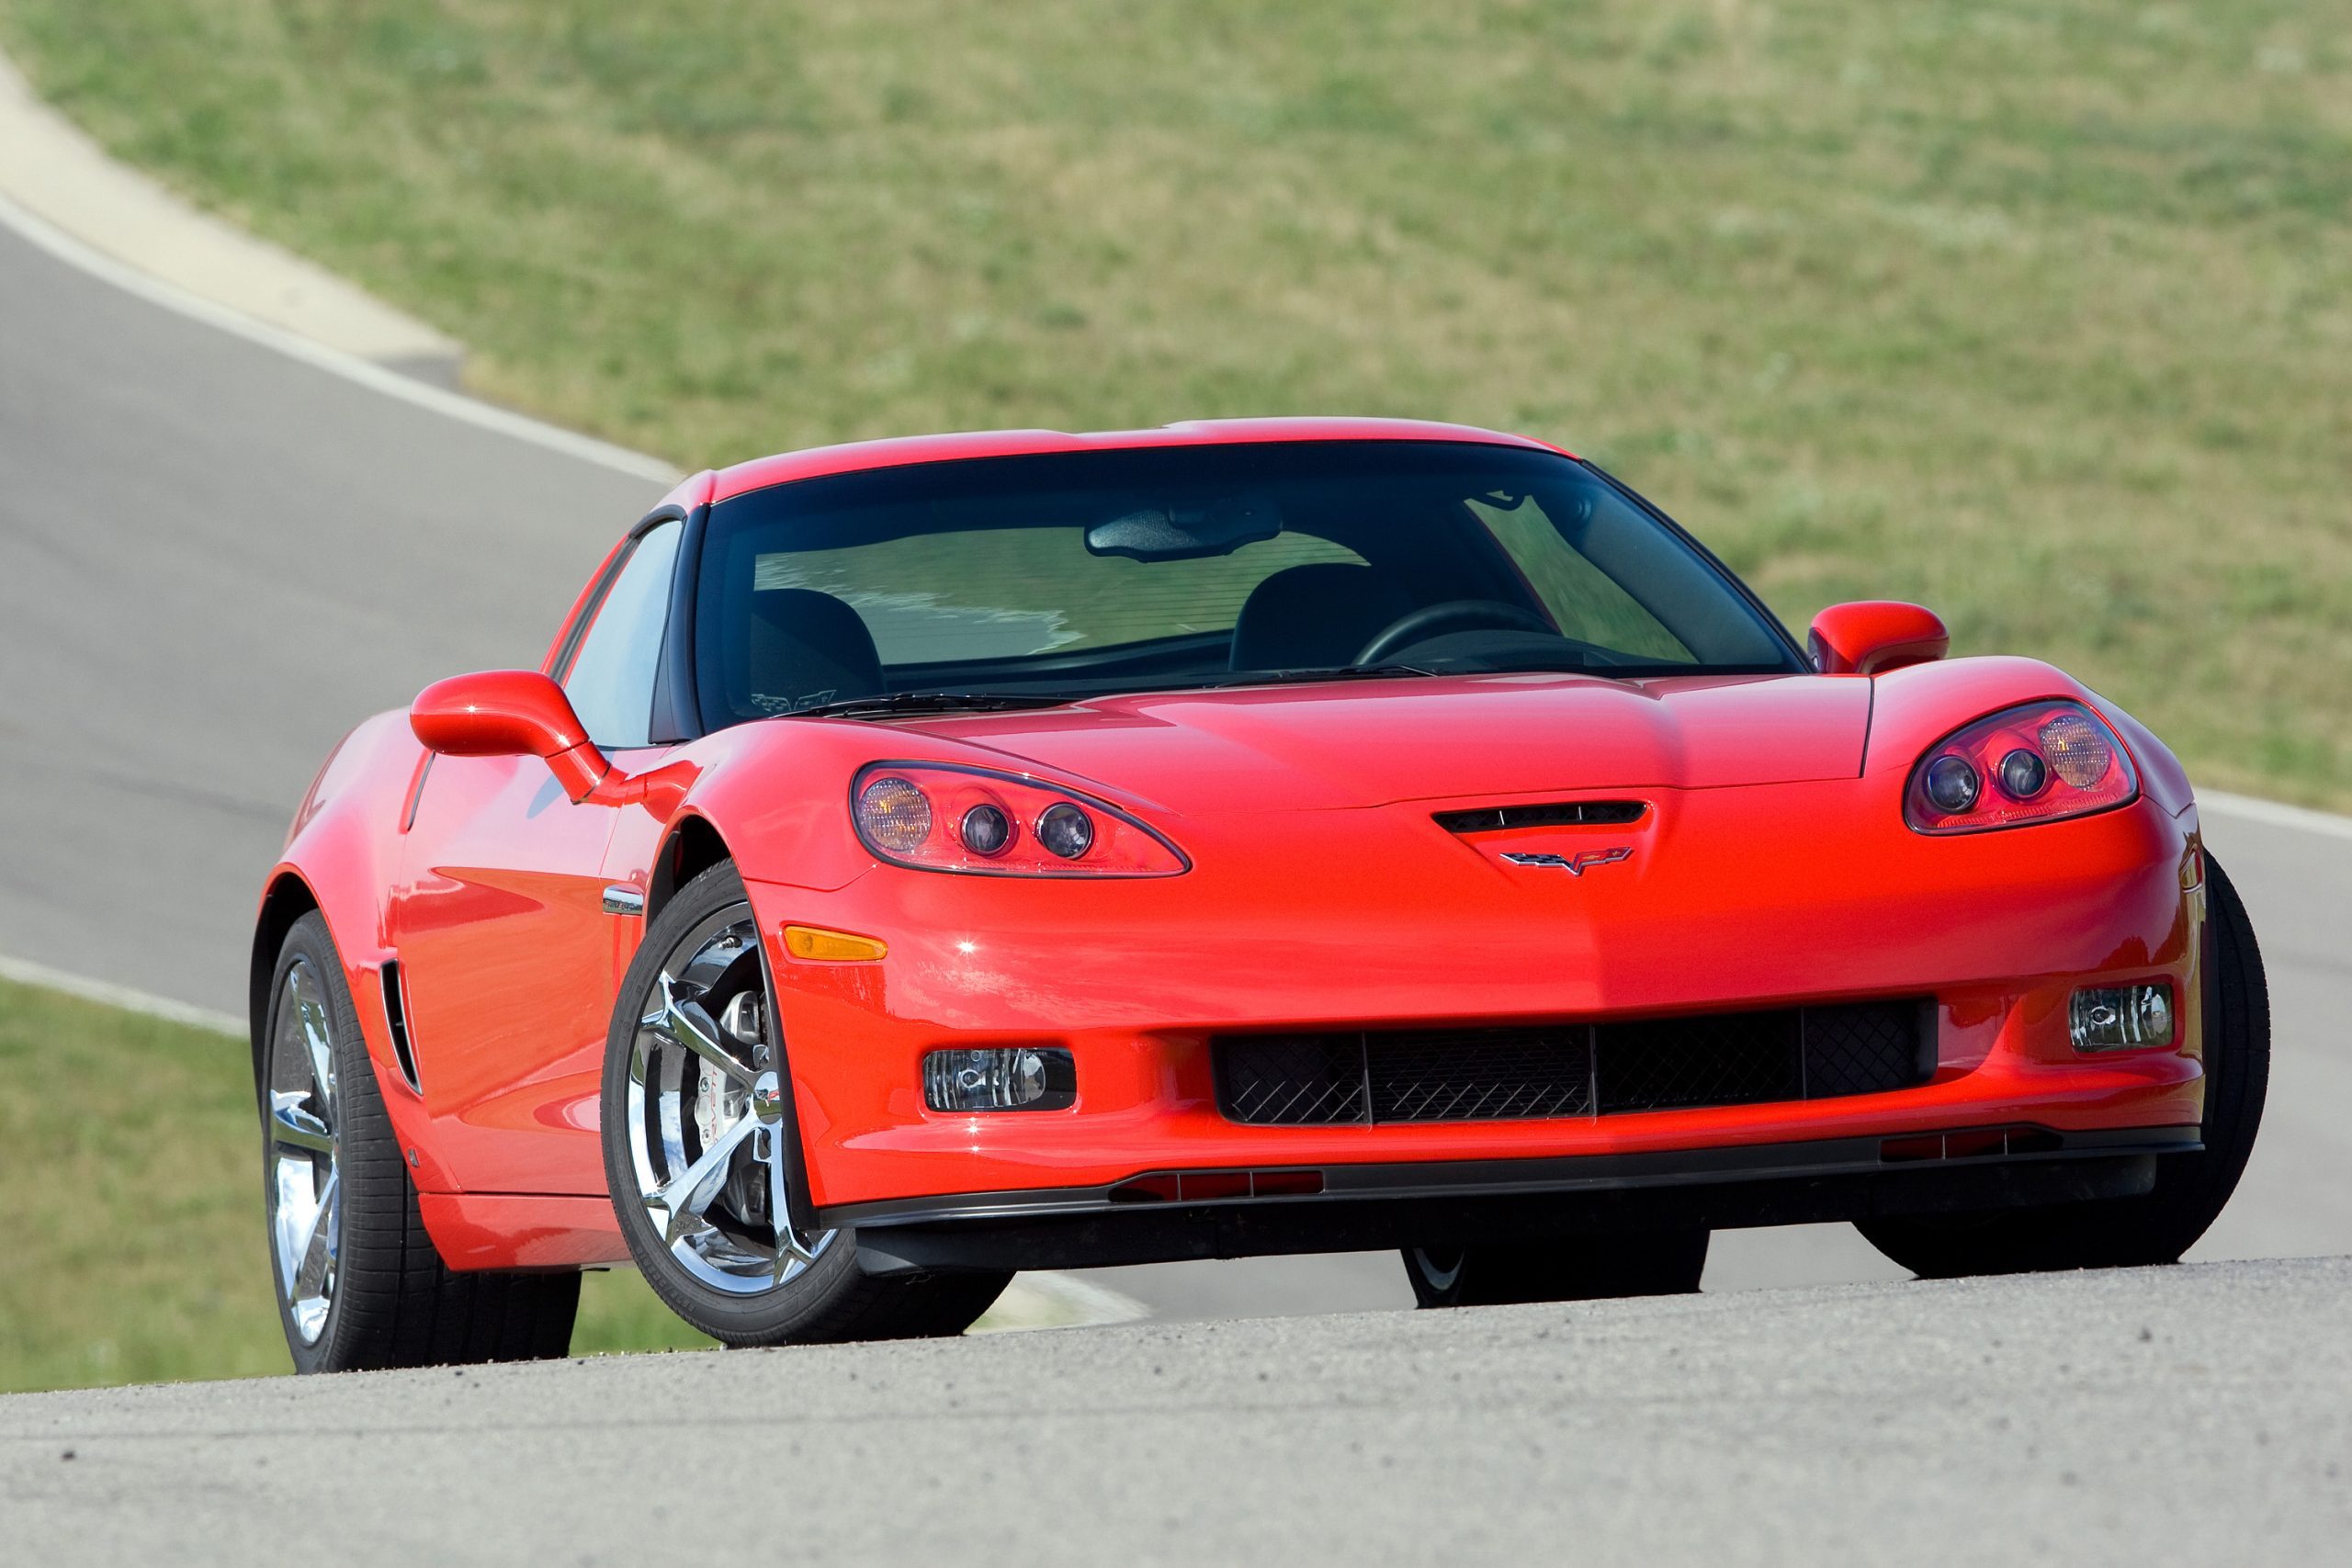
(360, 1284)
(703, 1154)
(2190, 1190)
(1651, 1263)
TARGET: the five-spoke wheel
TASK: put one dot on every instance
(358, 1282)
(706, 1127)
(305, 1192)
(701, 1149)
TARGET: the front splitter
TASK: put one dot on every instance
(1366, 1207)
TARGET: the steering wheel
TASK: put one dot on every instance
(1452, 615)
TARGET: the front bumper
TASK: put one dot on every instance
(1373, 918)
(1369, 1207)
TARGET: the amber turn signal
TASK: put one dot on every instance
(832, 947)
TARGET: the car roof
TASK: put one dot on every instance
(762, 472)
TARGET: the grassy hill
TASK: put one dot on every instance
(131, 1241)
(2037, 310)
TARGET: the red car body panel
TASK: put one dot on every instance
(817, 461)
(1772, 867)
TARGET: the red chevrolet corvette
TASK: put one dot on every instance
(928, 859)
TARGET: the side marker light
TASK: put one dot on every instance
(822, 946)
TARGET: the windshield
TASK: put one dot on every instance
(1073, 574)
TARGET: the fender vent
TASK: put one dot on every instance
(396, 1018)
(1555, 814)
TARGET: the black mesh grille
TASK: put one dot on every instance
(1484, 1075)
(1293, 1079)
(1733, 1058)
(1478, 1074)
(1866, 1047)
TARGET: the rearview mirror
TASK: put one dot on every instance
(1870, 636)
(508, 713)
(1187, 533)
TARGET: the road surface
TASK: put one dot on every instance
(2197, 1415)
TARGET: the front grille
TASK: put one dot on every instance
(1294, 1079)
(1867, 1047)
(1337, 1078)
(1667, 1064)
(1478, 1074)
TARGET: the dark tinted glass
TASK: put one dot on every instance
(1084, 573)
(611, 679)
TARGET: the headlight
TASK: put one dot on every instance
(936, 816)
(2039, 762)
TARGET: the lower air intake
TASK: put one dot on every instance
(1359, 1077)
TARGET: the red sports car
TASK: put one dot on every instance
(928, 859)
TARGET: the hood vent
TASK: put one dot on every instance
(1555, 814)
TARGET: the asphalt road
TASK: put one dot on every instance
(214, 561)
(2195, 1415)
(214, 557)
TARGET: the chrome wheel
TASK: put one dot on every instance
(709, 1141)
(306, 1205)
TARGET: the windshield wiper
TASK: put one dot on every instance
(1335, 672)
(889, 703)
(933, 701)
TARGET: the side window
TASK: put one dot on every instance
(611, 679)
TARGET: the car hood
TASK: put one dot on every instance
(1370, 742)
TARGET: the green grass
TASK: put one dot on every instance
(2037, 310)
(130, 1210)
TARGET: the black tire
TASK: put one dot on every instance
(831, 1300)
(1653, 1263)
(2157, 1226)
(392, 1303)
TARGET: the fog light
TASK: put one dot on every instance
(1017, 1078)
(2120, 1018)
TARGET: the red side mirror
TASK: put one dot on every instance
(508, 713)
(1870, 636)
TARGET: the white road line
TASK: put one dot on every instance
(1056, 1301)
(1032, 1301)
(26, 973)
(52, 166)
(39, 232)
(2270, 813)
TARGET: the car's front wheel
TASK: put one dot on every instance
(360, 1285)
(703, 1155)
(1653, 1263)
(2190, 1190)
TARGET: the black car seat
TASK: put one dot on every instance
(803, 648)
(1316, 618)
